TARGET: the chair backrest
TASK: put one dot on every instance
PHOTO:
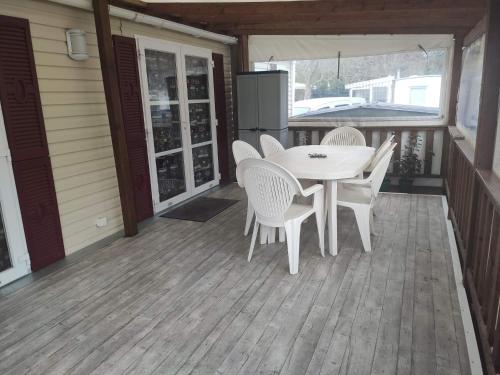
(384, 147)
(270, 189)
(270, 145)
(377, 175)
(242, 151)
(344, 136)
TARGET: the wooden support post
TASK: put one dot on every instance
(243, 57)
(453, 98)
(235, 135)
(113, 104)
(488, 107)
(455, 79)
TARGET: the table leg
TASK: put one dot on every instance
(332, 217)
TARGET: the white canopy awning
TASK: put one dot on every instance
(312, 47)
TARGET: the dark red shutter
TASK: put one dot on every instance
(25, 130)
(130, 93)
(220, 114)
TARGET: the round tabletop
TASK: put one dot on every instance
(340, 162)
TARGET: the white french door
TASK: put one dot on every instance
(177, 88)
(14, 258)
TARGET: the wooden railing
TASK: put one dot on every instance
(431, 153)
(474, 208)
(459, 179)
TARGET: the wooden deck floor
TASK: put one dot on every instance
(181, 298)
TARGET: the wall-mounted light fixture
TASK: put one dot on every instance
(77, 44)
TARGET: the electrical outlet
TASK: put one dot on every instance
(101, 222)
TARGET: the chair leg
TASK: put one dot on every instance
(254, 237)
(282, 234)
(292, 229)
(372, 222)
(250, 212)
(362, 214)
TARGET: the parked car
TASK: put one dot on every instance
(303, 106)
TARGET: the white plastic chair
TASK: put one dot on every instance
(242, 151)
(271, 190)
(344, 136)
(379, 154)
(360, 195)
(270, 145)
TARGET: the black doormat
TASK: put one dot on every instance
(201, 209)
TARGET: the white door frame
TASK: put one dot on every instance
(154, 44)
(12, 221)
(207, 54)
(180, 51)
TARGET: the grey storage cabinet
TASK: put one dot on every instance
(263, 106)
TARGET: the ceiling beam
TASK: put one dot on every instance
(298, 8)
(322, 16)
(438, 14)
(129, 4)
(417, 17)
(331, 30)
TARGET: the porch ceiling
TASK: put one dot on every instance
(320, 16)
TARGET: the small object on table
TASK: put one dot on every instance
(317, 156)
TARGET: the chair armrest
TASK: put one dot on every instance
(311, 190)
(356, 181)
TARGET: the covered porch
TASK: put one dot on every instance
(180, 297)
(118, 289)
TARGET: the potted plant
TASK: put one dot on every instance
(409, 164)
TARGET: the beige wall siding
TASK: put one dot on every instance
(75, 115)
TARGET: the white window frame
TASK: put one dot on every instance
(412, 121)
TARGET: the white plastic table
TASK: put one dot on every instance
(341, 162)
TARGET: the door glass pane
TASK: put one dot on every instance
(5, 262)
(170, 172)
(166, 127)
(199, 119)
(203, 165)
(162, 75)
(197, 77)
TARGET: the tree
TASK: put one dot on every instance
(314, 72)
